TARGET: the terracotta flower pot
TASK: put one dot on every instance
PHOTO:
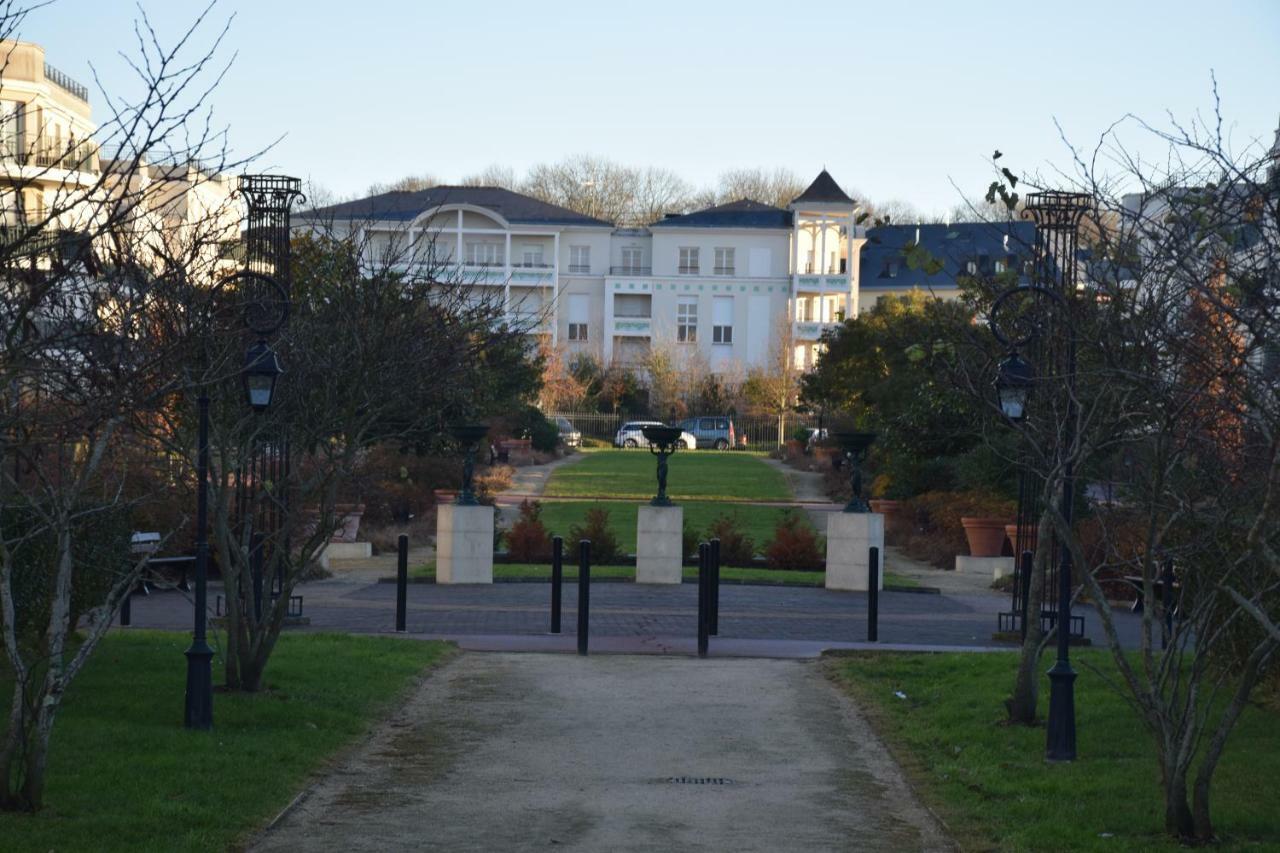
(444, 496)
(985, 535)
(1011, 531)
(889, 509)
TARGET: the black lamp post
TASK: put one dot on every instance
(261, 371)
(1015, 381)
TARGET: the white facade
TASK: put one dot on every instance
(727, 288)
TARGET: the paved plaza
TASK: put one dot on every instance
(667, 615)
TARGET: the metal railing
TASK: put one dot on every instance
(63, 81)
(82, 157)
(687, 270)
(722, 271)
(630, 270)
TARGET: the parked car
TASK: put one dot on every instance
(715, 432)
(816, 437)
(630, 435)
(569, 436)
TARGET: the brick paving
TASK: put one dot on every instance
(651, 613)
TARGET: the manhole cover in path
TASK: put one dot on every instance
(699, 780)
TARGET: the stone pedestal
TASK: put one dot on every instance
(850, 535)
(464, 544)
(997, 567)
(344, 551)
(659, 542)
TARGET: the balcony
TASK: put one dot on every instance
(823, 283)
(805, 330)
(630, 270)
(722, 271)
(64, 82)
(82, 157)
(637, 326)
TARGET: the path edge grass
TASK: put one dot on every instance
(379, 714)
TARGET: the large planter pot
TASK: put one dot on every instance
(985, 535)
(1011, 532)
(889, 509)
(444, 496)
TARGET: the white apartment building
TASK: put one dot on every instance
(728, 287)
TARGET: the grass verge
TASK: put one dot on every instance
(542, 571)
(706, 475)
(125, 775)
(990, 784)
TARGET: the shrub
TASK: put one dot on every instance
(795, 545)
(936, 535)
(688, 541)
(528, 540)
(604, 544)
(736, 547)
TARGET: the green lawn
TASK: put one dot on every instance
(124, 774)
(758, 522)
(992, 787)
(694, 475)
(542, 571)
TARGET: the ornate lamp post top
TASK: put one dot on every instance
(663, 441)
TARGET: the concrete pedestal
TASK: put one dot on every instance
(850, 535)
(659, 542)
(344, 551)
(997, 567)
(464, 544)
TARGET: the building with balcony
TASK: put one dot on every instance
(725, 286)
(57, 186)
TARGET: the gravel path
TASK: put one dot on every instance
(622, 753)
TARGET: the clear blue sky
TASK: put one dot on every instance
(896, 99)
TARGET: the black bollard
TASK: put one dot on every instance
(584, 593)
(873, 595)
(1166, 596)
(713, 620)
(557, 578)
(704, 594)
(126, 609)
(402, 582)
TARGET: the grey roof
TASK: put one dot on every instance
(823, 190)
(405, 205)
(883, 262)
(743, 213)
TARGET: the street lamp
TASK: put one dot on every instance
(1014, 381)
(261, 370)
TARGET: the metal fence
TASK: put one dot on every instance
(760, 431)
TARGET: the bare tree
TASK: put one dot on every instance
(778, 187)
(97, 284)
(495, 175)
(774, 389)
(1175, 397)
(409, 183)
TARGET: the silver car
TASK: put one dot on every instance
(630, 435)
(569, 436)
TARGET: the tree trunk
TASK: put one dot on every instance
(1177, 812)
(9, 755)
(1026, 687)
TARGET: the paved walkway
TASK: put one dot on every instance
(536, 752)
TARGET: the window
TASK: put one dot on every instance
(808, 264)
(687, 321)
(1000, 266)
(579, 306)
(579, 259)
(689, 260)
(531, 256)
(632, 261)
(724, 262)
(484, 254)
(971, 267)
(722, 320)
